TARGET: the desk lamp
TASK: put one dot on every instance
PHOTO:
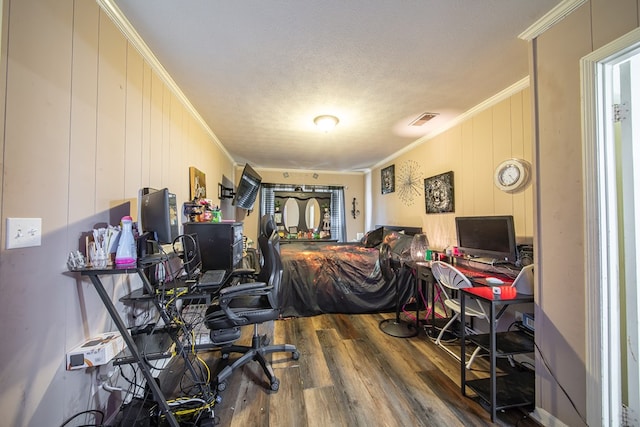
(419, 247)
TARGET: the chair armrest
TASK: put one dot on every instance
(240, 275)
(244, 289)
(243, 272)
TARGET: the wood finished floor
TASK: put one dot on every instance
(352, 374)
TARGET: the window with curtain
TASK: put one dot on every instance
(337, 208)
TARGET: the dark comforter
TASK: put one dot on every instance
(337, 278)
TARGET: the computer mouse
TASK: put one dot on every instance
(494, 281)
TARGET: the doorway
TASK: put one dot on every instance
(611, 87)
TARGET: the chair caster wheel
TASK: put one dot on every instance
(207, 422)
(222, 386)
(275, 384)
(295, 355)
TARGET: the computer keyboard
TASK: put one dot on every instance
(472, 273)
(212, 278)
(481, 276)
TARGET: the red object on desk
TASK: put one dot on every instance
(480, 276)
(506, 292)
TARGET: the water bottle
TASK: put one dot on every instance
(126, 252)
(217, 215)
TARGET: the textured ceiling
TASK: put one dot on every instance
(259, 71)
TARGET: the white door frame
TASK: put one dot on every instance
(601, 232)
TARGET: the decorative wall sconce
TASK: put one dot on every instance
(354, 211)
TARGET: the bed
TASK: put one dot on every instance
(320, 277)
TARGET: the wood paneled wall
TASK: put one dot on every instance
(560, 315)
(88, 122)
(472, 150)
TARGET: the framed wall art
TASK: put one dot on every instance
(388, 179)
(438, 193)
(409, 181)
(197, 184)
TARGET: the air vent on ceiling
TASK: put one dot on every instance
(422, 119)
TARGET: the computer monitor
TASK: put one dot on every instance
(159, 214)
(491, 237)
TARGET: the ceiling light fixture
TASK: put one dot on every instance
(326, 122)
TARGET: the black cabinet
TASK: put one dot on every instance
(220, 243)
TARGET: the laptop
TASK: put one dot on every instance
(192, 263)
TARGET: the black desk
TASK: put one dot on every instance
(508, 390)
(426, 282)
(476, 276)
(499, 392)
(137, 357)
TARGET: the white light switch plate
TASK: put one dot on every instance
(23, 232)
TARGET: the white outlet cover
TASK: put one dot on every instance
(23, 232)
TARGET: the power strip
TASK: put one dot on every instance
(528, 321)
(524, 329)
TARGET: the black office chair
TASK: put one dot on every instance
(246, 304)
(255, 273)
(267, 227)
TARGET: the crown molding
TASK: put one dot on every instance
(551, 18)
(500, 96)
(310, 171)
(130, 33)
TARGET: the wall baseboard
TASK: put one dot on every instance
(546, 419)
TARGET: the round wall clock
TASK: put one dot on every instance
(409, 182)
(512, 175)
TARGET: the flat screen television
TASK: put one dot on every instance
(247, 190)
(159, 215)
(487, 238)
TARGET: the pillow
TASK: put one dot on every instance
(392, 232)
(373, 238)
